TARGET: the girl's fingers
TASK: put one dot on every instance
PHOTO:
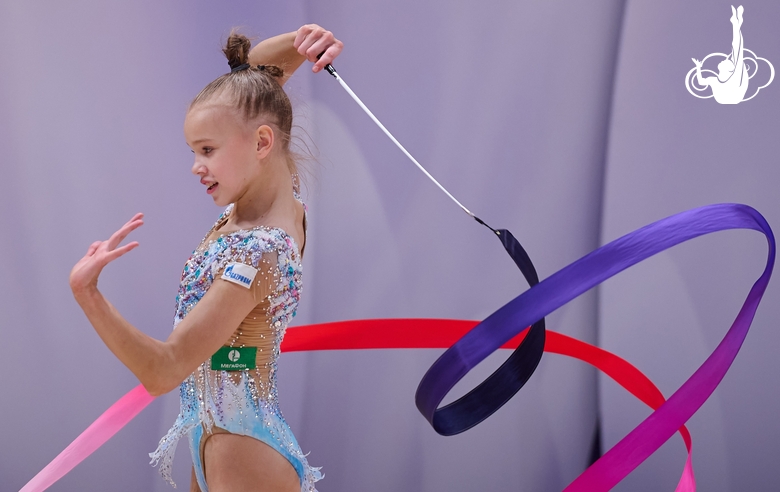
(312, 41)
(93, 247)
(320, 44)
(136, 217)
(308, 40)
(101, 253)
(329, 55)
(301, 35)
(122, 233)
(113, 255)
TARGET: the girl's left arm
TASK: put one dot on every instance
(288, 51)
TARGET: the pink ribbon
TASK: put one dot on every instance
(101, 430)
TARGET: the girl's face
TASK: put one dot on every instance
(226, 152)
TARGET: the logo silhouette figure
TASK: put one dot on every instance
(735, 70)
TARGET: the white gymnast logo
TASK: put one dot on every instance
(234, 355)
(730, 84)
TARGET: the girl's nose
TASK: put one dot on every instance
(198, 168)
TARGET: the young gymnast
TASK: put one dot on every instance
(239, 289)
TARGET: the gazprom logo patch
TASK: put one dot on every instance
(240, 274)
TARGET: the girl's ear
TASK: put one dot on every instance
(264, 137)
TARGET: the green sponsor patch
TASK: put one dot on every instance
(234, 359)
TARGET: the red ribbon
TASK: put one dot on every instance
(443, 333)
(370, 334)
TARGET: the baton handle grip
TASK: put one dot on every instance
(329, 68)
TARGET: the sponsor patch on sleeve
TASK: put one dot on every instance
(240, 273)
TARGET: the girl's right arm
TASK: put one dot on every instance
(160, 366)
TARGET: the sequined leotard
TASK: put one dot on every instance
(240, 402)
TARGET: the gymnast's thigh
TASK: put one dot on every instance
(194, 482)
(233, 462)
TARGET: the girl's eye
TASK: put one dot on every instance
(207, 150)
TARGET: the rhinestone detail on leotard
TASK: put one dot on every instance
(241, 402)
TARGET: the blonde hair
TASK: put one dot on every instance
(253, 92)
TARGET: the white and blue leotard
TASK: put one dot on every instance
(240, 402)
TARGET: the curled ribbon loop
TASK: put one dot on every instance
(490, 395)
(581, 276)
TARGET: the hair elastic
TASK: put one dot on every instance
(246, 66)
(240, 67)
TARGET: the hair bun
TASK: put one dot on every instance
(272, 70)
(237, 49)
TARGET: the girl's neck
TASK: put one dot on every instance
(268, 202)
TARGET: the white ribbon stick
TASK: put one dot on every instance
(380, 125)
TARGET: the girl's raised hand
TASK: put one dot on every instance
(312, 40)
(84, 274)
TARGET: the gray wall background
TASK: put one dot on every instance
(566, 122)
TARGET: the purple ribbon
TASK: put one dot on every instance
(579, 277)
